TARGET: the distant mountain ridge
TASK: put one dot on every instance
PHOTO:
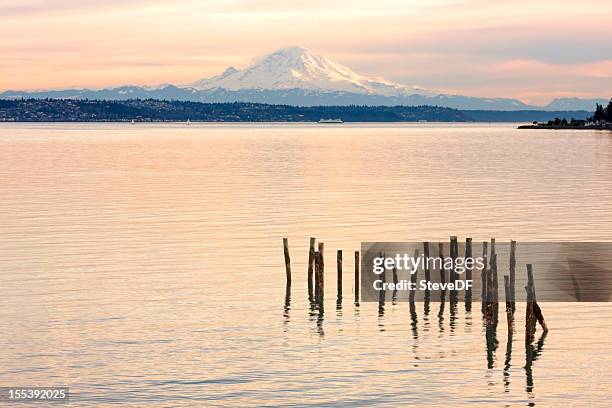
(301, 77)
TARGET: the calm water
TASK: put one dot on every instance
(143, 264)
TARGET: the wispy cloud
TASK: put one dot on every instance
(470, 46)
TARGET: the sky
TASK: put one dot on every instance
(530, 50)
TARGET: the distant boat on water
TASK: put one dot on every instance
(133, 122)
(331, 121)
(188, 122)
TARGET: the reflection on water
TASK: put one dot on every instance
(141, 265)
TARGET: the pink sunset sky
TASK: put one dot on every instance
(533, 51)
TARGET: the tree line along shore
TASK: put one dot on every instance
(600, 120)
(153, 110)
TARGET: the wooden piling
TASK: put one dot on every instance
(494, 278)
(512, 273)
(287, 261)
(483, 273)
(321, 277)
(442, 271)
(413, 278)
(533, 313)
(427, 269)
(339, 277)
(454, 253)
(356, 276)
(317, 280)
(468, 272)
(311, 261)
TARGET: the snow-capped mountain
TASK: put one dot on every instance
(301, 68)
(299, 76)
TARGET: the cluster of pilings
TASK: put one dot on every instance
(489, 278)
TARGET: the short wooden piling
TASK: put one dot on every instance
(339, 277)
(356, 276)
(287, 261)
(311, 261)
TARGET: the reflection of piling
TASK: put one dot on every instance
(533, 313)
(339, 264)
(356, 276)
(311, 261)
(508, 290)
(287, 260)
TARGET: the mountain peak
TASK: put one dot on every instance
(299, 68)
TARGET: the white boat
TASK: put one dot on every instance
(133, 122)
(188, 122)
(331, 121)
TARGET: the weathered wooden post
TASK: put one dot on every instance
(512, 273)
(339, 265)
(317, 280)
(533, 313)
(454, 253)
(311, 261)
(495, 281)
(356, 276)
(483, 274)
(442, 271)
(287, 260)
(468, 271)
(427, 269)
(321, 279)
(413, 277)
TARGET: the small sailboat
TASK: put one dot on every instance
(188, 122)
(133, 122)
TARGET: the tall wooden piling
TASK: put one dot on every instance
(339, 277)
(356, 276)
(321, 277)
(483, 274)
(287, 261)
(494, 278)
(454, 253)
(512, 273)
(442, 271)
(317, 280)
(533, 313)
(468, 271)
(311, 261)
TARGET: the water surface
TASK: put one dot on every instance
(143, 264)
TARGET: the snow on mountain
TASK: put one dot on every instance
(301, 68)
